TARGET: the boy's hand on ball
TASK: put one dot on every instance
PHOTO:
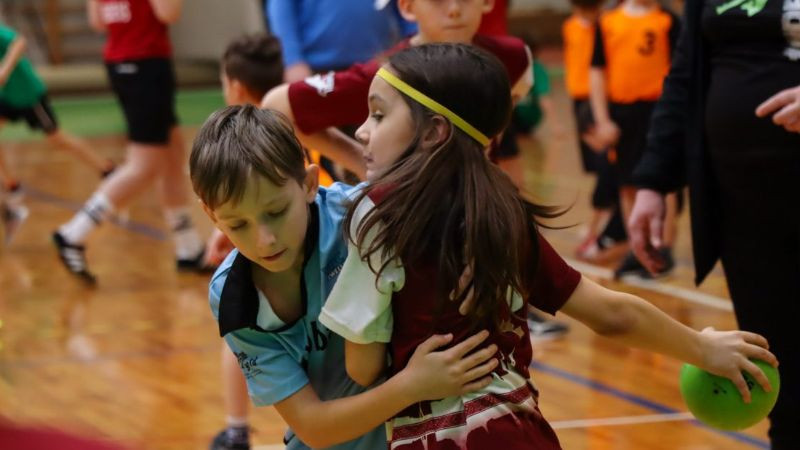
(728, 354)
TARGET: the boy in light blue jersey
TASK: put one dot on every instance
(248, 169)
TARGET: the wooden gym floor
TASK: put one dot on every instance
(136, 359)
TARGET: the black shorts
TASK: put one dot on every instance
(633, 121)
(39, 116)
(146, 90)
(606, 189)
(584, 121)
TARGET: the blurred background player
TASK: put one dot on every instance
(631, 56)
(605, 236)
(23, 95)
(527, 115)
(319, 104)
(318, 36)
(138, 60)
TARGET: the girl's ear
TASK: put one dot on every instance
(437, 131)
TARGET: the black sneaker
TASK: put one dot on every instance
(543, 329)
(225, 440)
(631, 266)
(669, 264)
(108, 171)
(12, 218)
(74, 258)
(197, 264)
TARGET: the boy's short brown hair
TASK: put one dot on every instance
(256, 61)
(237, 142)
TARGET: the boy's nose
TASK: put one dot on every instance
(266, 237)
(454, 9)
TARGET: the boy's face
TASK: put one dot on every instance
(389, 129)
(446, 20)
(269, 224)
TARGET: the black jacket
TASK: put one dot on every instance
(676, 153)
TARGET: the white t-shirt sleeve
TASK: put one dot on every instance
(359, 306)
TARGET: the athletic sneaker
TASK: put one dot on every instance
(631, 266)
(197, 264)
(12, 218)
(74, 258)
(543, 329)
(231, 439)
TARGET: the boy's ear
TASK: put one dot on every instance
(311, 182)
(238, 91)
(209, 211)
(436, 133)
(488, 6)
(406, 11)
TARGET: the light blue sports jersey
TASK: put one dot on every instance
(278, 363)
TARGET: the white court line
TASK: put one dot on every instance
(616, 421)
(581, 423)
(690, 295)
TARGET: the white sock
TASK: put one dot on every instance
(93, 213)
(236, 422)
(188, 244)
(14, 198)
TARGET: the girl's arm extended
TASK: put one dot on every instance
(330, 142)
(429, 375)
(633, 321)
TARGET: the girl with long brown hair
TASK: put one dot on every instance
(438, 224)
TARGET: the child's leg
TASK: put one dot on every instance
(9, 180)
(234, 388)
(81, 150)
(671, 220)
(189, 247)
(234, 392)
(142, 165)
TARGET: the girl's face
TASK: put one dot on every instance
(389, 129)
(268, 225)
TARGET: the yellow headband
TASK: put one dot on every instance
(433, 105)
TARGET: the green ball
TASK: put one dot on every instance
(716, 401)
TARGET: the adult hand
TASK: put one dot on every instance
(296, 72)
(787, 105)
(432, 375)
(728, 353)
(646, 226)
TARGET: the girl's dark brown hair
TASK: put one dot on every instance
(449, 204)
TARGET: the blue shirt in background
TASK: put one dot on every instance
(334, 34)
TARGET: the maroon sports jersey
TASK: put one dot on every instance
(549, 286)
(339, 98)
(134, 31)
